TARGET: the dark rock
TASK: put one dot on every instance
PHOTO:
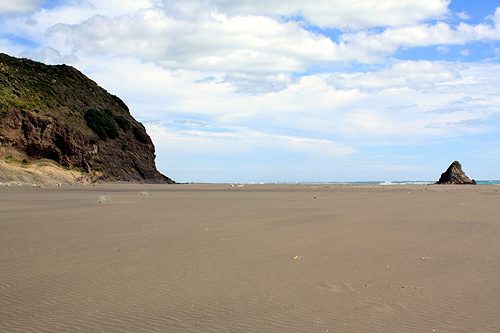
(42, 115)
(455, 175)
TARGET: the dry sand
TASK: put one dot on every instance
(258, 258)
(42, 172)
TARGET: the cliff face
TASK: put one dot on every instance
(56, 112)
(455, 175)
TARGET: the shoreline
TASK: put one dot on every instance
(7, 183)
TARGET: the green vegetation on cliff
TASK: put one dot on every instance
(102, 124)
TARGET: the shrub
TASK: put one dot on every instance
(140, 135)
(102, 124)
(104, 199)
(123, 123)
(120, 103)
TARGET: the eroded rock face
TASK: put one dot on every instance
(455, 175)
(42, 115)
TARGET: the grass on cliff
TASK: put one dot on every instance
(22, 162)
(44, 161)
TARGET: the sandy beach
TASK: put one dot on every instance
(256, 258)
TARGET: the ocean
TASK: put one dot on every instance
(386, 182)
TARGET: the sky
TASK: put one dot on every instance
(287, 90)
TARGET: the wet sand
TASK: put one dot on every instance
(257, 258)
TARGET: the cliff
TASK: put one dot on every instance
(455, 175)
(56, 112)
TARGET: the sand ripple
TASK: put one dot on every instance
(186, 259)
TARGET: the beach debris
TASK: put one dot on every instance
(143, 193)
(455, 175)
(296, 257)
(241, 185)
(425, 258)
(104, 199)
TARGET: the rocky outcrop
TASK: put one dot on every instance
(455, 175)
(58, 113)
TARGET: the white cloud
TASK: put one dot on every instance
(193, 35)
(119, 7)
(50, 55)
(396, 168)
(258, 54)
(442, 49)
(19, 6)
(371, 47)
(353, 14)
(240, 140)
(472, 124)
(405, 74)
(253, 52)
(212, 42)
(463, 15)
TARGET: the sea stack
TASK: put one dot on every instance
(455, 175)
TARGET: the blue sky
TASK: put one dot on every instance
(287, 90)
